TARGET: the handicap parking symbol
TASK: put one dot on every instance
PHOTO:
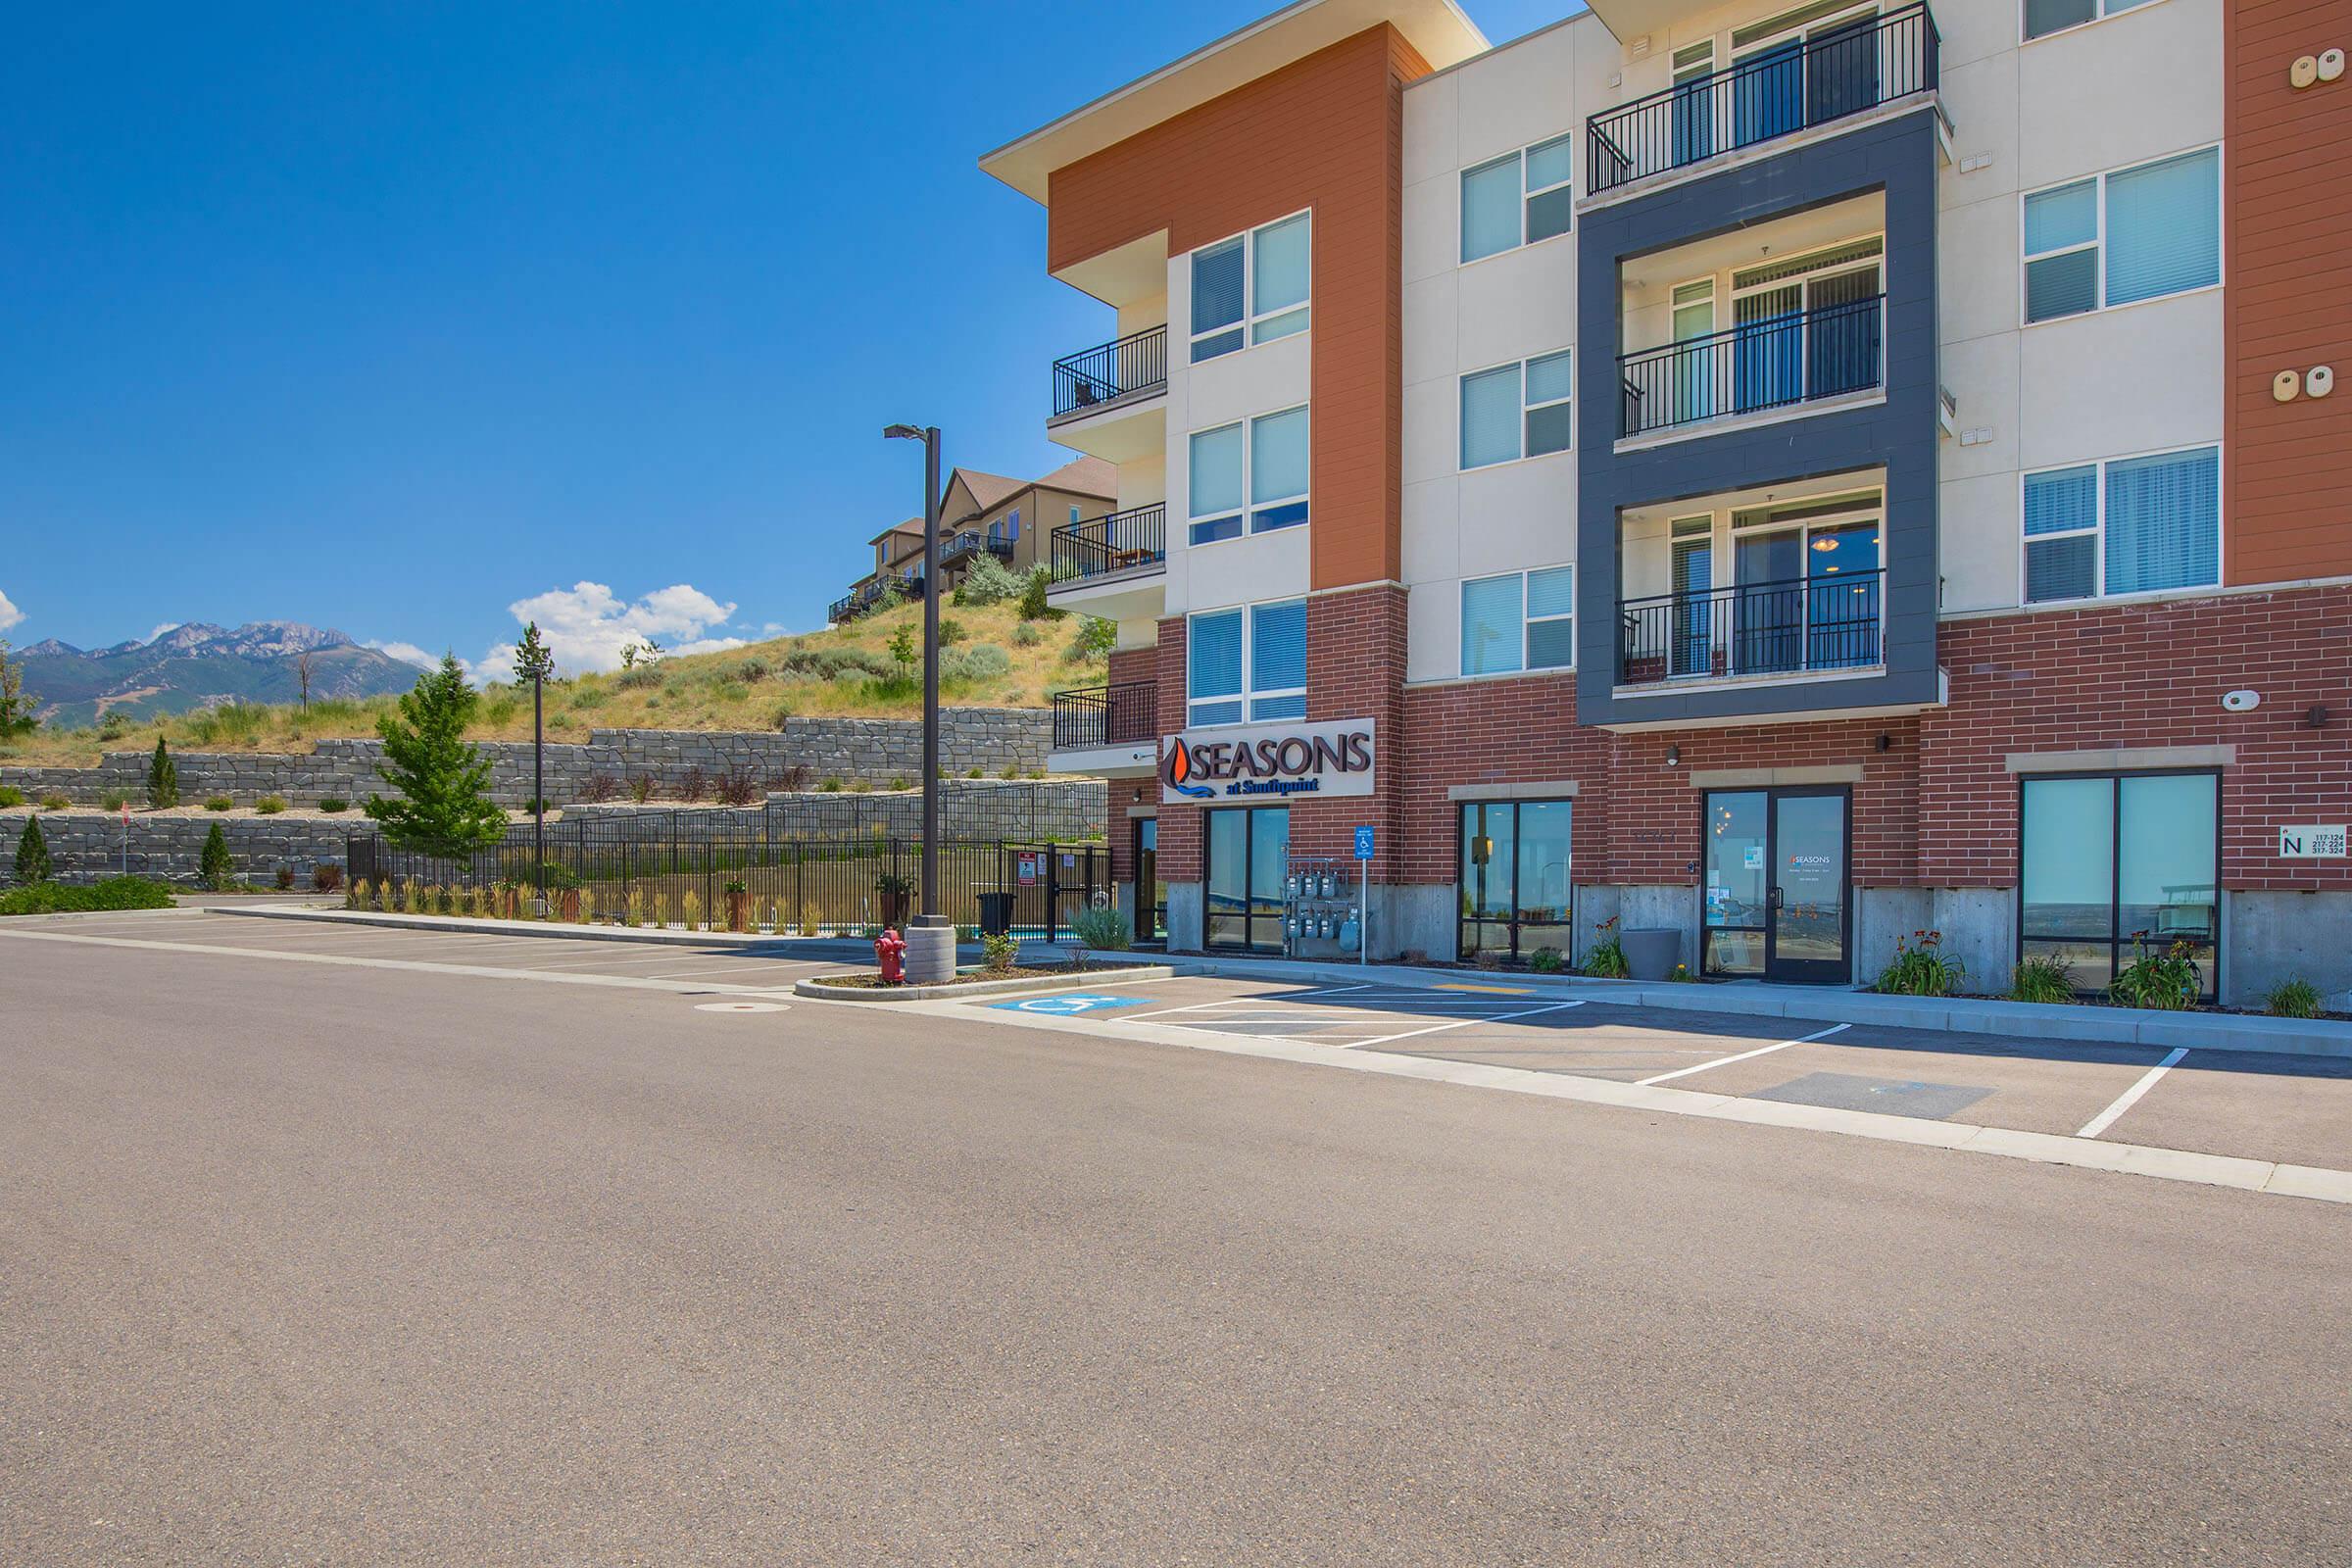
(1065, 1005)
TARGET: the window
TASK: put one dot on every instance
(1249, 853)
(1269, 642)
(1073, 517)
(2109, 861)
(1250, 476)
(1517, 411)
(1517, 198)
(1514, 892)
(2045, 17)
(1520, 620)
(2127, 525)
(2115, 239)
(1012, 523)
(1252, 288)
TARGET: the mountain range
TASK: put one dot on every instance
(202, 665)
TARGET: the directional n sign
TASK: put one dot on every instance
(1363, 843)
(2311, 843)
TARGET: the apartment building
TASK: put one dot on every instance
(983, 513)
(1793, 476)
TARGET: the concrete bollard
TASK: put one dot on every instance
(930, 950)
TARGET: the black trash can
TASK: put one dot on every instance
(995, 914)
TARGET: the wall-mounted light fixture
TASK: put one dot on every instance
(1674, 756)
(1884, 742)
(2315, 717)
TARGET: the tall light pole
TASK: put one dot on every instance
(931, 943)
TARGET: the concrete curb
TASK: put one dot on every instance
(2200, 1031)
(983, 988)
(726, 940)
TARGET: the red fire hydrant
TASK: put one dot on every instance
(890, 952)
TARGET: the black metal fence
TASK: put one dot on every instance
(1138, 537)
(675, 868)
(1125, 714)
(1796, 357)
(1809, 623)
(1136, 362)
(1777, 91)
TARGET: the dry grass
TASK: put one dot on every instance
(749, 688)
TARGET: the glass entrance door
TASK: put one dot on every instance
(1150, 893)
(1776, 897)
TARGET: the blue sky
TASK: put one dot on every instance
(392, 316)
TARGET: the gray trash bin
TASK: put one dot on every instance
(1652, 951)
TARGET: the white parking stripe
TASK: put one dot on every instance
(1456, 1023)
(2131, 1096)
(1743, 1055)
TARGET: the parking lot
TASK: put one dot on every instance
(2295, 1109)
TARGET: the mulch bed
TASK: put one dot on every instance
(969, 977)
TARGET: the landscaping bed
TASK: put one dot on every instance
(969, 977)
(868, 986)
(59, 898)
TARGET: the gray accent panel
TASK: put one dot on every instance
(1889, 1096)
(1899, 157)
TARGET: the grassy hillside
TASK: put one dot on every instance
(991, 659)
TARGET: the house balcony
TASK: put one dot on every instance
(1831, 355)
(1112, 401)
(1107, 731)
(968, 544)
(1781, 88)
(1799, 628)
(1114, 567)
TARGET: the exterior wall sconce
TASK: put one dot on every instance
(1884, 742)
(1674, 756)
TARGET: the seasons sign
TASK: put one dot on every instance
(1267, 761)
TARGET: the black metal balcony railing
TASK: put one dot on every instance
(1776, 92)
(1089, 716)
(1794, 358)
(843, 608)
(1134, 538)
(1767, 628)
(970, 542)
(1136, 362)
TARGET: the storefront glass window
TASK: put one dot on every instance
(1514, 889)
(1249, 848)
(2108, 860)
(1737, 910)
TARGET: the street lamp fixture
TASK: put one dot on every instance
(931, 940)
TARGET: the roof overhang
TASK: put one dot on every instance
(1628, 19)
(1438, 28)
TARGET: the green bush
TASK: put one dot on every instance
(1026, 636)
(55, 801)
(2044, 980)
(214, 861)
(989, 582)
(2293, 998)
(1033, 597)
(1099, 931)
(1000, 949)
(1092, 643)
(1547, 960)
(978, 662)
(270, 804)
(113, 800)
(333, 803)
(584, 696)
(1607, 960)
(638, 677)
(218, 803)
(951, 631)
(10, 795)
(32, 855)
(1921, 971)
(114, 892)
(163, 777)
(2165, 981)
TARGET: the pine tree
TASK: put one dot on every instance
(17, 711)
(214, 863)
(443, 805)
(32, 855)
(163, 777)
(533, 658)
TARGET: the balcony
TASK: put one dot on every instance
(1830, 352)
(1781, 90)
(1803, 627)
(1110, 400)
(844, 607)
(1108, 731)
(967, 542)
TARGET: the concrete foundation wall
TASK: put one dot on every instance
(2269, 938)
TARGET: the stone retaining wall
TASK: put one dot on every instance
(85, 846)
(881, 752)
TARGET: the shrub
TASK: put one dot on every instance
(951, 631)
(355, 897)
(752, 670)
(642, 678)
(1607, 960)
(163, 777)
(693, 785)
(326, 876)
(777, 718)
(2044, 980)
(111, 727)
(1093, 640)
(999, 949)
(2165, 981)
(1681, 975)
(113, 800)
(641, 787)
(1033, 596)
(831, 786)
(270, 804)
(32, 863)
(736, 786)
(114, 892)
(897, 783)
(333, 803)
(10, 795)
(988, 582)
(585, 696)
(1026, 636)
(2293, 998)
(1099, 931)
(286, 879)
(218, 803)
(55, 801)
(1547, 960)
(597, 788)
(828, 663)
(214, 861)
(1921, 971)
(790, 777)
(978, 662)
(975, 773)
(694, 911)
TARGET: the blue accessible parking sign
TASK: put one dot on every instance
(1363, 843)
(1066, 1004)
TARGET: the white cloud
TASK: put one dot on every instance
(10, 615)
(587, 626)
(159, 629)
(405, 653)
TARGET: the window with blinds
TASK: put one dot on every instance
(2134, 234)
(1267, 641)
(1252, 288)
(2127, 525)
(1516, 411)
(1278, 660)
(1212, 654)
(1519, 620)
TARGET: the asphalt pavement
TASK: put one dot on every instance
(383, 1261)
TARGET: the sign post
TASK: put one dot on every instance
(1363, 895)
(126, 838)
